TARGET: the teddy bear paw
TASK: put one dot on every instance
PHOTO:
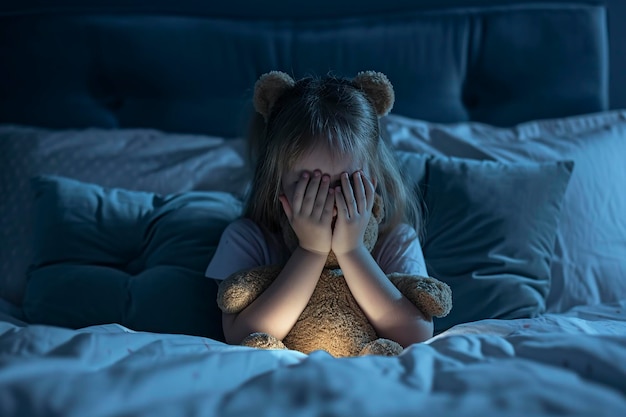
(263, 341)
(383, 347)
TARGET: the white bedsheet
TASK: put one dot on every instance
(567, 364)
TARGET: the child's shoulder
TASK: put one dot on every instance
(243, 224)
(398, 237)
(245, 230)
(399, 250)
(401, 231)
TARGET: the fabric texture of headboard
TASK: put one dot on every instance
(194, 73)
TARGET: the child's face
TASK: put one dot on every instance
(322, 160)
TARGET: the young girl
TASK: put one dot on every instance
(319, 162)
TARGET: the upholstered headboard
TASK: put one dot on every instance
(193, 72)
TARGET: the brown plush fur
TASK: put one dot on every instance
(332, 320)
(376, 86)
(378, 89)
(268, 88)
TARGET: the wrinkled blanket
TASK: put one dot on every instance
(558, 364)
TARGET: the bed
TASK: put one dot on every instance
(123, 158)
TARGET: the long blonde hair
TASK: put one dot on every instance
(334, 113)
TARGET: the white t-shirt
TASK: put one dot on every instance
(243, 245)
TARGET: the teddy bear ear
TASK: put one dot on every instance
(268, 88)
(378, 89)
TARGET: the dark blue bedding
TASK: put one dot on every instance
(130, 114)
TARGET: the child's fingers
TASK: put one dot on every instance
(370, 191)
(359, 191)
(329, 207)
(298, 194)
(348, 194)
(340, 203)
(286, 206)
(322, 197)
(310, 196)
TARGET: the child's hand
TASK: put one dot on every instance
(354, 208)
(311, 212)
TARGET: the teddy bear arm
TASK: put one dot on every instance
(431, 296)
(240, 289)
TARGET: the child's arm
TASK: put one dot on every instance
(276, 310)
(392, 315)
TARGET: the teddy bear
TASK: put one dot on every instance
(332, 320)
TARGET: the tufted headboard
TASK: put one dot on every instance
(192, 70)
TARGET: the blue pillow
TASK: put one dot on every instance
(106, 255)
(589, 264)
(489, 234)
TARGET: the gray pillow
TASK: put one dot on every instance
(110, 255)
(489, 234)
(589, 263)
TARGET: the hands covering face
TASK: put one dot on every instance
(354, 207)
(314, 204)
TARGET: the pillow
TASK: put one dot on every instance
(109, 255)
(133, 159)
(489, 234)
(589, 264)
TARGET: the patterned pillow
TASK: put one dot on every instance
(134, 159)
